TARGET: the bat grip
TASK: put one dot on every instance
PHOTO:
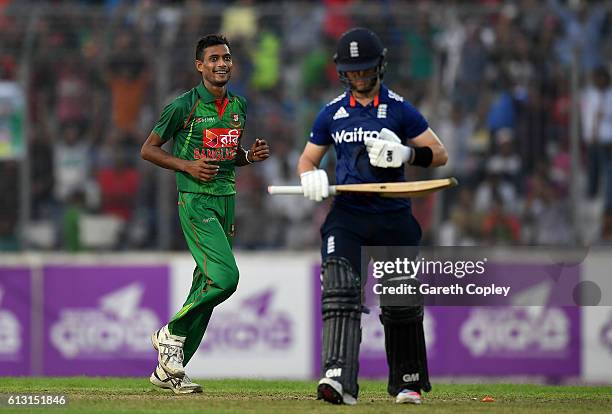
(293, 189)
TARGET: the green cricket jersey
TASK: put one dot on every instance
(203, 126)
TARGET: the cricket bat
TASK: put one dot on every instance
(401, 189)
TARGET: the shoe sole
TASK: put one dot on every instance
(163, 385)
(408, 401)
(165, 368)
(328, 393)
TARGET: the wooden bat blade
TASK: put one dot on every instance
(403, 189)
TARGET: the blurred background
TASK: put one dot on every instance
(515, 89)
(519, 92)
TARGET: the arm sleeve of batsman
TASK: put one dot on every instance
(320, 134)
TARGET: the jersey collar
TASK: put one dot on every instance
(377, 99)
(206, 96)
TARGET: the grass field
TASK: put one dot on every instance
(136, 395)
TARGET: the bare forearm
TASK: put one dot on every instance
(159, 157)
(305, 164)
(440, 156)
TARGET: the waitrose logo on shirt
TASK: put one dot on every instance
(356, 135)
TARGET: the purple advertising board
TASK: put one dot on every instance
(98, 319)
(478, 340)
(15, 321)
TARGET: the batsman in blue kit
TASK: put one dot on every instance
(375, 132)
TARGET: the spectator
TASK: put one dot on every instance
(502, 70)
(506, 162)
(118, 186)
(41, 176)
(472, 66)
(266, 61)
(534, 127)
(72, 94)
(420, 42)
(8, 205)
(71, 162)
(337, 18)
(71, 238)
(458, 129)
(240, 21)
(582, 27)
(597, 131)
(494, 186)
(464, 226)
(545, 215)
(502, 113)
(128, 78)
(500, 227)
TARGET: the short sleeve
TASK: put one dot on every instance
(170, 121)
(413, 123)
(243, 106)
(320, 130)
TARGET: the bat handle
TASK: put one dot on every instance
(293, 189)
(285, 189)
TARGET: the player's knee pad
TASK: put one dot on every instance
(405, 347)
(341, 306)
(341, 287)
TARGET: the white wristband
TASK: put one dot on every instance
(246, 157)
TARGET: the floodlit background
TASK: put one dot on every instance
(91, 253)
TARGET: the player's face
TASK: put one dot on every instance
(216, 65)
(363, 81)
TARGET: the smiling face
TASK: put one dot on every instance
(216, 65)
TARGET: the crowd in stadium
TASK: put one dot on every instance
(493, 77)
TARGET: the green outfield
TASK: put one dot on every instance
(136, 395)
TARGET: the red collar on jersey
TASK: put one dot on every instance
(353, 101)
(221, 105)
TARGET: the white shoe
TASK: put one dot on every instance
(160, 378)
(169, 351)
(331, 391)
(408, 397)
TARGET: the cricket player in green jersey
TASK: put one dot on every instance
(206, 125)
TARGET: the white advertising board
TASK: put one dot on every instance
(265, 328)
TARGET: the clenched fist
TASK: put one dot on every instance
(259, 151)
(387, 150)
(315, 184)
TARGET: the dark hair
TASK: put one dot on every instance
(210, 40)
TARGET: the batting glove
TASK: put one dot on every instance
(315, 184)
(387, 150)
